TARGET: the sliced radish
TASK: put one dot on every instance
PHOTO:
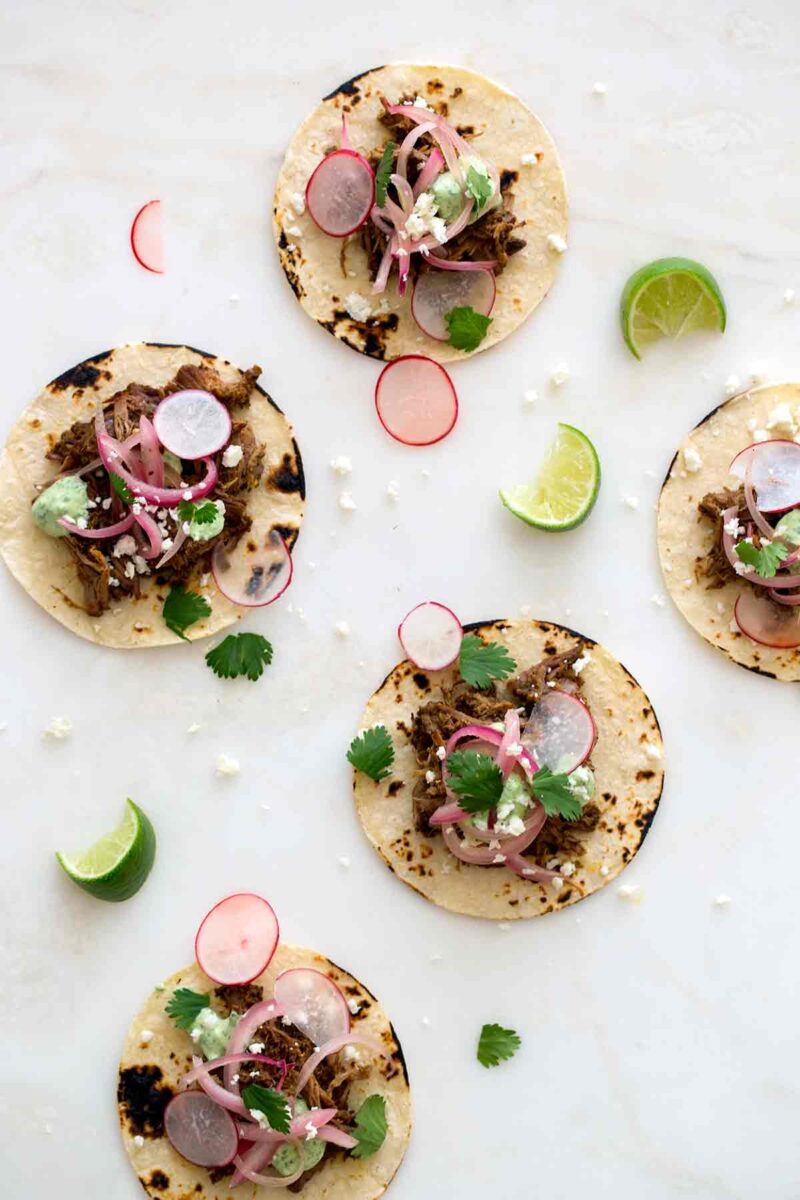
(774, 473)
(313, 1002)
(438, 292)
(237, 939)
(147, 242)
(200, 1130)
(560, 732)
(192, 424)
(416, 401)
(257, 571)
(431, 635)
(765, 622)
(340, 193)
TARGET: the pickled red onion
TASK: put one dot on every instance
(429, 172)
(108, 531)
(243, 1031)
(152, 461)
(447, 264)
(276, 1181)
(332, 1047)
(149, 527)
(408, 144)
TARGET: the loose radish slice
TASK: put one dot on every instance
(237, 939)
(431, 635)
(774, 473)
(147, 242)
(313, 1002)
(200, 1130)
(765, 622)
(438, 292)
(560, 732)
(416, 401)
(192, 424)
(257, 571)
(340, 193)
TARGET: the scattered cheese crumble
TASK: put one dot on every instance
(358, 306)
(341, 465)
(227, 766)
(342, 629)
(232, 456)
(691, 459)
(556, 242)
(347, 503)
(559, 374)
(59, 728)
(630, 891)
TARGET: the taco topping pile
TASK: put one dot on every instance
(157, 485)
(426, 203)
(267, 1097)
(758, 541)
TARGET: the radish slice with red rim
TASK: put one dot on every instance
(774, 473)
(201, 1131)
(314, 1003)
(431, 635)
(237, 939)
(438, 292)
(340, 193)
(416, 401)
(256, 571)
(192, 424)
(560, 732)
(765, 622)
(147, 242)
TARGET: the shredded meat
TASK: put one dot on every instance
(714, 567)
(529, 685)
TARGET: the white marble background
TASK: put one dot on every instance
(660, 1040)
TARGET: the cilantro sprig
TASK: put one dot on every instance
(370, 1128)
(185, 1007)
(240, 654)
(497, 1044)
(373, 753)
(121, 488)
(476, 779)
(382, 174)
(480, 662)
(273, 1106)
(467, 328)
(182, 609)
(555, 795)
(765, 559)
(479, 186)
(202, 512)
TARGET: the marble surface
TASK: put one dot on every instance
(660, 1046)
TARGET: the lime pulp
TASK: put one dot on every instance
(564, 492)
(669, 297)
(117, 865)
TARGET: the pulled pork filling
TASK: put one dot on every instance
(714, 568)
(493, 236)
(437, 720)
(106, 576)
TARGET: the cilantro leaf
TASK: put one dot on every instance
(273, 1105)
(240, 654)
(186, 1006)
(480, 662)
(181, 609)
(373, 753)
(382, 175)
(555, 795)
(467, 327)
(496, 1044)
(203, 513)
(765, 560)
(370, 1128)
(121, 488)
(479, 186)
(476, 779)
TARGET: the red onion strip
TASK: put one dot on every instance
(332, 1047)
(777, 581)
(429, 172)
(446, 264)
(243, 1032)
(408, 144)
(152, 461)
(109, 531)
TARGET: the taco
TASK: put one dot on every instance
(290, 1079)
(517, 781)
(135, 477)
(413, 192)
(729, 529)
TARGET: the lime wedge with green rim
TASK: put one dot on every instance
(563, 493)
(115, 867)
(669, 297)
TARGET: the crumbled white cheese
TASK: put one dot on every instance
(631, 502)
(342, 629)
(430, 776)
(568, 868)
(581, 662)
(604, 870)
(760, 435)
(344, 861)
(354, 1006)
(358, 306)
(341, 465)
(781, 419)
(599, 89)
(691, 459)
(392, 489)
(630, 891)
(530, 397)
(59, 728)
(346, 502)
(298, 203)
(556, 242)
(559, 374)
(789, 296)
(721, 900)
(232, 455)
(557, 883)
(732, 385)
(733, 528)
(530, 159)
(124, 545)
(441, 753)
(657, 600)
(294, 231)
(256, 1047)
(653, 751)
(423, 219)
(194, 728)
(227, 766)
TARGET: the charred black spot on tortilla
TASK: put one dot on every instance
(285, 477)
(435, 85)
(288, 534)
(350, 86)
(641, 775)
(395, 786)
(82, 376)
(421, 680)
(469, 131)
(757, 670)
(508, 179)
(158, 1180)
(564, 896)
(397, 1053)
(143, 1098)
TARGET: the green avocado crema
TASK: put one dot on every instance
(788, 528)
(448, 195)
(67, 497)
(286, 1159)
(212, 1033)
(206, 530)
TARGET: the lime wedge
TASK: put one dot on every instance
(563, 493)
(115, 867)
(669, 297)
